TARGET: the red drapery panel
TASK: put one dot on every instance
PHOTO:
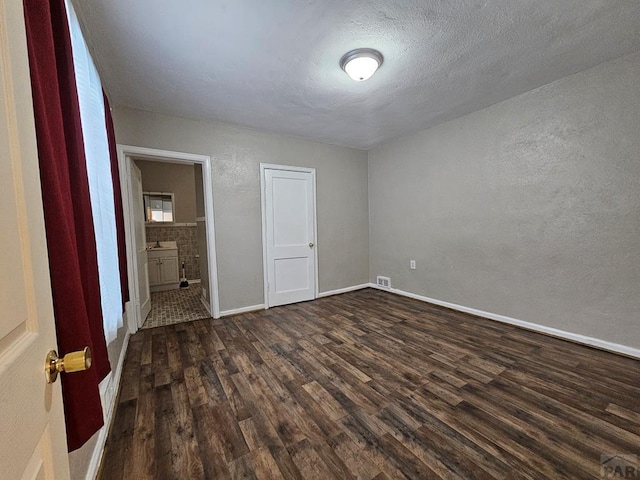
(117, 201)
(67, 209)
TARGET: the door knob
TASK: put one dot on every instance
(71, 362)
(311, 244)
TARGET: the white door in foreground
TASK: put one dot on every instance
(32, 431)
(289, 208)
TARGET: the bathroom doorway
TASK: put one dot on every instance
(170, 240)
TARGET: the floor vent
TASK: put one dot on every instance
(384, 282)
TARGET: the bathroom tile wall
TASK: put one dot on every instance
(186, 238)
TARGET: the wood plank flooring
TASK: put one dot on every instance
(367, 385)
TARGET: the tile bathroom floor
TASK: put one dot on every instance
(176, 306)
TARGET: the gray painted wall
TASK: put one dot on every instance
(342, 197)
(529, 208)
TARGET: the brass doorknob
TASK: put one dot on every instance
(311, 244)
(71, 362)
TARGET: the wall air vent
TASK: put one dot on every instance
(384, 282)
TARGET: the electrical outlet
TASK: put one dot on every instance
(412, 264)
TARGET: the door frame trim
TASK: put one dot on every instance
(288, 168)
(125, 154)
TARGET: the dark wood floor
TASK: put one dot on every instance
(367, 385)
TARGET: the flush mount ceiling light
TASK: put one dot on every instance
(361, 63)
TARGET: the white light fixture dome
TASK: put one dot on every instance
(361, 63)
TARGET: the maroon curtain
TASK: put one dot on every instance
(69, 224)
(117, 202)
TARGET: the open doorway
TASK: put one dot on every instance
(170, 236)
(175, 231)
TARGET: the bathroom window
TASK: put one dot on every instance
(158, 207)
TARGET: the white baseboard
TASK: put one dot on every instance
(343, 290)
(235, 311)
(108, 394)
(554, 332)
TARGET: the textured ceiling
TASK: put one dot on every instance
(273, 64)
